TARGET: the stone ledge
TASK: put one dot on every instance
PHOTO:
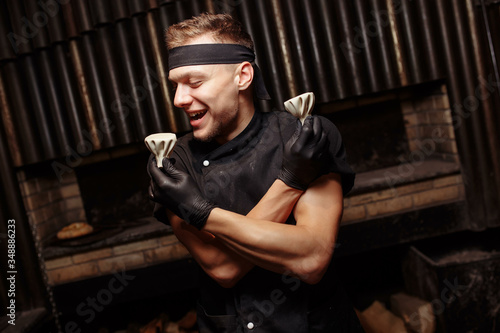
(142, 229)
(380, 179)
(110, 260)
(402, 228)
(405, 197)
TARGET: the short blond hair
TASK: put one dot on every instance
(223, 28)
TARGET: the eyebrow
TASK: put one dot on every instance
(194, 72)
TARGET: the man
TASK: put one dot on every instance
(255, 197)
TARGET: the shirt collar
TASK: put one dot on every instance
(214, 151)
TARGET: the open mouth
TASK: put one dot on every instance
(197, 115)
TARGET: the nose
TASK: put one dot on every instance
(182, 96)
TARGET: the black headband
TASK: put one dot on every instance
(210, 54)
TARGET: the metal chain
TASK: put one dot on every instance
(41, 262)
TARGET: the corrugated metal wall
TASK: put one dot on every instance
(76, 73)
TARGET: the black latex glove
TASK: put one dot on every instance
(302, 155)
(177, 191)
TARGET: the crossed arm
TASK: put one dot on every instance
(240, 242)
(229, 244)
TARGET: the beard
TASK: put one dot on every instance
(220, 128)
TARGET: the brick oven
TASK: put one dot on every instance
(121, 241)
(406, 158)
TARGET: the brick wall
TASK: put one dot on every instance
(429, 126)
(50, 204)
(429, 129)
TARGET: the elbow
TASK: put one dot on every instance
(314, 277)
(312, 269)
(225, 276)
(227, 282)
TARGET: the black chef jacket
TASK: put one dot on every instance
(235, 176)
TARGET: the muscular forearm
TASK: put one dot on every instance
(303, 249)
(221, 262)
(277, 204)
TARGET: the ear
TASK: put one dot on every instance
(245, 77)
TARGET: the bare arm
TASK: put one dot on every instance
(215, 258)
(304, 249)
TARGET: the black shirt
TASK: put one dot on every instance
(235, 176)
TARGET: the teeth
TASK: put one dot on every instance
(192, 115)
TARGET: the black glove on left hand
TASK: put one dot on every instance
(302, 154)
(177, 191)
